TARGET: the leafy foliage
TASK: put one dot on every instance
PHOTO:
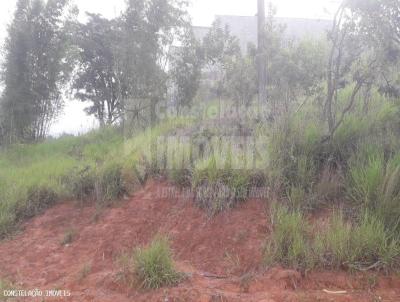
(36, 68)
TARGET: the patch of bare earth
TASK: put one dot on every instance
(221, 255)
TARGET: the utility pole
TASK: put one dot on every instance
(261, 54)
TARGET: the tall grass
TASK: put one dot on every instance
(151, 267)
(365, 245)
(340, 245)
(289, 244)
(99, 165)
(217, 184)
(375, 183)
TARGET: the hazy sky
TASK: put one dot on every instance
(202, 11)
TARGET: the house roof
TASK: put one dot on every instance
(245, 28)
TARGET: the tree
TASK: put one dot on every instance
(296, 68)
(98, 76)
(261, 53)
(221, 50)
(241, 79)
(363, 48)
(15, 116)
(186, 70)
(36, 67)
(149, 30)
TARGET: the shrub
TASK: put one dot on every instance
(178, 162)
(7, 222)
(110, 184)
(37, 200)
(347, 137)
(217, 185)
(152, 266)
(81, 183)
(295, 152)
(289, 244)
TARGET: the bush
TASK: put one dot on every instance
(347, 137)
(81, 183)
(37, 200)
(217, 185)
(152, 266)
(295, 153)
(7, 222)
(178, 162)
(110, 184)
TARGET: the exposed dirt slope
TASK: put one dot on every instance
(221, 255)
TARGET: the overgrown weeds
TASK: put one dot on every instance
(289, 243)
(218, 186)
(375, 183)
(150, 267)
(97, 166)
(364, 245)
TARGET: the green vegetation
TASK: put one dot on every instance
(4, 285)
(68, 237)
(363, 245)
(327, 137)
(101, 165)
(217, 184)
(152, 267)
(289, 244)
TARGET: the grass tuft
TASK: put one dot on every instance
(4, 285)
(289, 243)
(151, 267)
(68, 237)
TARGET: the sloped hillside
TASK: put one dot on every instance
(76, 247)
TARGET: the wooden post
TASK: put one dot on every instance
(261, 54)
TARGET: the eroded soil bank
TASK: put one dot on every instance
(220, 255)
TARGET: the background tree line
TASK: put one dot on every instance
(124, 67)
(116, 65)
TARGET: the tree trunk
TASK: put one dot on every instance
(262, 58)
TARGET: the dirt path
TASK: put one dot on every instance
(221, 255)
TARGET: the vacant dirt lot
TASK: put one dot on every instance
(222, 255)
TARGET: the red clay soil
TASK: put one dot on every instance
(221, 255)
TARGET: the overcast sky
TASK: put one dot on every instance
(202, 11)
